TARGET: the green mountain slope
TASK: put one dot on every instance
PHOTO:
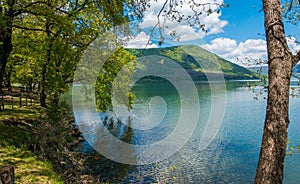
(198, 62)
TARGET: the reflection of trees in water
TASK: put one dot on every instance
(111, 171)
(107, 169)
(128, 134)
(119, 129)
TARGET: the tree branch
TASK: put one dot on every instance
(21, 11)
(30, 29)
(33, 3)
(296, 58)
(63, 11)
(82, 6)
(29, 11)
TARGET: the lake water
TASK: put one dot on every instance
(232, 156)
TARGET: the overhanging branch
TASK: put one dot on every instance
(33, 3)
(296, 58)
(31, 29)
(18, 12)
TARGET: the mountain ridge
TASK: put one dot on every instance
(199, 62)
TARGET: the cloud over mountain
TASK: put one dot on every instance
(248, 52)
(183, 31)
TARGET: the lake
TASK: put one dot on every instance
(230, 158)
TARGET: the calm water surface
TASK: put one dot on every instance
(232, 156)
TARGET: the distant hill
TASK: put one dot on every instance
(259, 69)
(264, 69)
(296, 69)
(198, 61)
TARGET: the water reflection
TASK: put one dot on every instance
(231, 158)
(108, 170)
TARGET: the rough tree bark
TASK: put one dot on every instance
(280, 62)
(5, 38)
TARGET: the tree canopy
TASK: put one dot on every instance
(42, 41)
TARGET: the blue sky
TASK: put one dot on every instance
(246, 20)
(236, 34)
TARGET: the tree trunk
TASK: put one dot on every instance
(43, 92)
(43, 95)
(5, 38)
(55, 100)
(274, 141)
(7, 80)
(29, 85)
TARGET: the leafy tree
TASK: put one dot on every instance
(104, 84)
(53, 35)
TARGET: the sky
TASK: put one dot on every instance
(236, 33)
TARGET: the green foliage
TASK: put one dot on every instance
(107, 76)
(50, 37)
(199, 60)
(55, 130)
(292, 150)
(14, 136)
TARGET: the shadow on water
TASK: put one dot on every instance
(110, 171)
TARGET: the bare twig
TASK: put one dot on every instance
(170, 11)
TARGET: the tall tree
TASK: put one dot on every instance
(106, 77)
(280, 62)
(65, 27)
(6, 23)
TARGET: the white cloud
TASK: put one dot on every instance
(214, 24)
(183, 30)
(243, 53)
(140, 41)
(293, 45)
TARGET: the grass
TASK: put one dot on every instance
(28, 168)
(31, 111)
(14, 141)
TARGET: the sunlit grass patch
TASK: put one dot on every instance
(14, 111)
(28, 168)
(14, 141)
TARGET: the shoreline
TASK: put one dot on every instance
(67, 164)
